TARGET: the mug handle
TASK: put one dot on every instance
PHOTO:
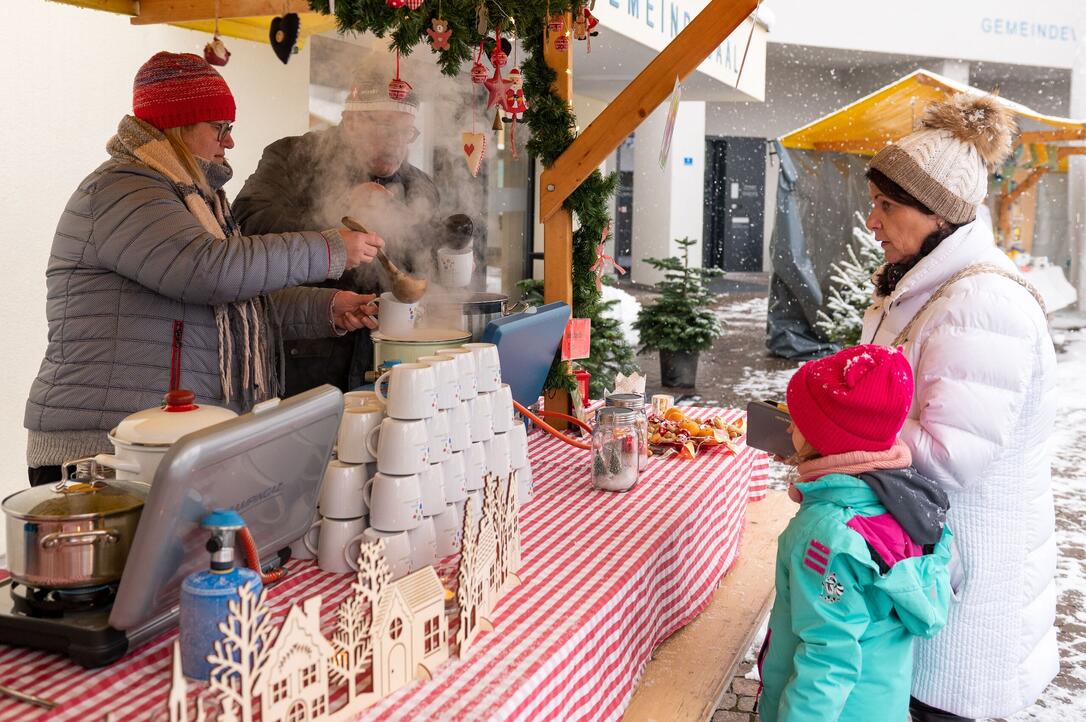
(371, 445)
(311, 545)
(352, 562)
(367, 492)
(377, 387)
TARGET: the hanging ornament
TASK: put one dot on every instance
(215, 52)
(603, 260)
(561, 42)
(478, 70)
(283, 34)
(414, 4)
(440, 34)
(515, 103)
(580, 28)
(556, 23)
(397, 88)
(591, 21)
(497, 124)
(395, 4)
(498, 57)
(496, 86)
(482, 18)
(474, 150)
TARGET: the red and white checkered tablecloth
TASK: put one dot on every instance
(607, 577)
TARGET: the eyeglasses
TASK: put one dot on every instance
(378, 131)
(223, 129)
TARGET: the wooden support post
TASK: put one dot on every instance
(180, 11)
(1008, 199)
(558, 229)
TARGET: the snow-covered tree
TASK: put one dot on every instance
(237, 658)
(841, 317)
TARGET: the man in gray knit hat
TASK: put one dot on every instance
(357, 168)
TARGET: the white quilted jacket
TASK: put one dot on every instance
(980, 425)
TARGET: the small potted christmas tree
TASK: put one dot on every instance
(680, 323)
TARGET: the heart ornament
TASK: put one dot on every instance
(474, 150)
(283, 34)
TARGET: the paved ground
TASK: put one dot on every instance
(738, 369)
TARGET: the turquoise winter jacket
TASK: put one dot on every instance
(840, 640)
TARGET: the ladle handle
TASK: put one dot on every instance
(354, 225)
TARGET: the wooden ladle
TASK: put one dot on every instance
(405, 288)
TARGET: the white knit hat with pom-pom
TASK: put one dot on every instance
(945, 164)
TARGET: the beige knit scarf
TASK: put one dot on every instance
(141, 143)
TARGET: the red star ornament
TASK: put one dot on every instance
(496, 86)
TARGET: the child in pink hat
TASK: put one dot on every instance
(862, 567)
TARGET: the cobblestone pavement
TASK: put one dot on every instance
(739, 369)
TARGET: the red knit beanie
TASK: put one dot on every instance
(855, 400)
(174, 89)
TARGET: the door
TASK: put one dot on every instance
(735, 203)
(397, 667)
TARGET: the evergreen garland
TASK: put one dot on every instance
(552, 125)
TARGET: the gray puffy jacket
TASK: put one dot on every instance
(127, 261)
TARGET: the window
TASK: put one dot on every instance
(395, 629)
(309, 675)
(318, 706)
(279, 690)
(432, 638)
(297, 712)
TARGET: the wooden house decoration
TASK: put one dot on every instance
(293, 684)
(410, 631)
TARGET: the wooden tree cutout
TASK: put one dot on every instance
(237, 658)
(352, 639)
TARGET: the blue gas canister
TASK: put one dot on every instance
(206, 595)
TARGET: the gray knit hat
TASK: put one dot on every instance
(945, 164)
(371, 92)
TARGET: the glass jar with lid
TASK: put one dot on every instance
(636, 403)
(616, 444)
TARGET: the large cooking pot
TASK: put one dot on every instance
(143, 438)
(407, 348)
(469, 311)
(76, 533)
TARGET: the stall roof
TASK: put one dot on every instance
(253, 28)
(871, 122)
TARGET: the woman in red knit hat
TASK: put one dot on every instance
(151, 286)
(862, 567)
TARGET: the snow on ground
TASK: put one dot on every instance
(625, 311)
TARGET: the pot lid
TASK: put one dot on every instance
(76, 498)
(424, 335)
(179, 415)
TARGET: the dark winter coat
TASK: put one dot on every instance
(305, 180)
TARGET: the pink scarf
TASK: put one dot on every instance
(852, 463)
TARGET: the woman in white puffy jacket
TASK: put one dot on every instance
(977, 338)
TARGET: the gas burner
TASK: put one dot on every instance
(55, 602)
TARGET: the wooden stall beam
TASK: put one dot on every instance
(852, 146)
(1074, 150)
(716, 21)
(152, 12)
(1051, 136)
(121, 7)
(1007, 200)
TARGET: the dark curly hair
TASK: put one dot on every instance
(890, 274)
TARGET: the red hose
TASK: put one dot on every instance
(252, 558)
(554, 432)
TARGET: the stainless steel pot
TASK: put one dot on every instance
(471, 312)
(76, 533)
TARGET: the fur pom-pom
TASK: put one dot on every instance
(977, 119)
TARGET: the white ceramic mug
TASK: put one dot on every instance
(518, 445)
(460, 426)
(356, 424)
(449, 530)
(447, 373)
(396, 318)
(454, 267)
(341, 490)
(525, 485)
(331, 540)
(453, 473)
(432, 490)
(475, 467)
(298, 548)
(412, 391)
(397, 550)
(401, 447)
(488, 368)
(437, 427)
(395, 502)
(501, 402)
(465, 361)
(360, 398)
(423, 541)
(481, 417)
(497, 456)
